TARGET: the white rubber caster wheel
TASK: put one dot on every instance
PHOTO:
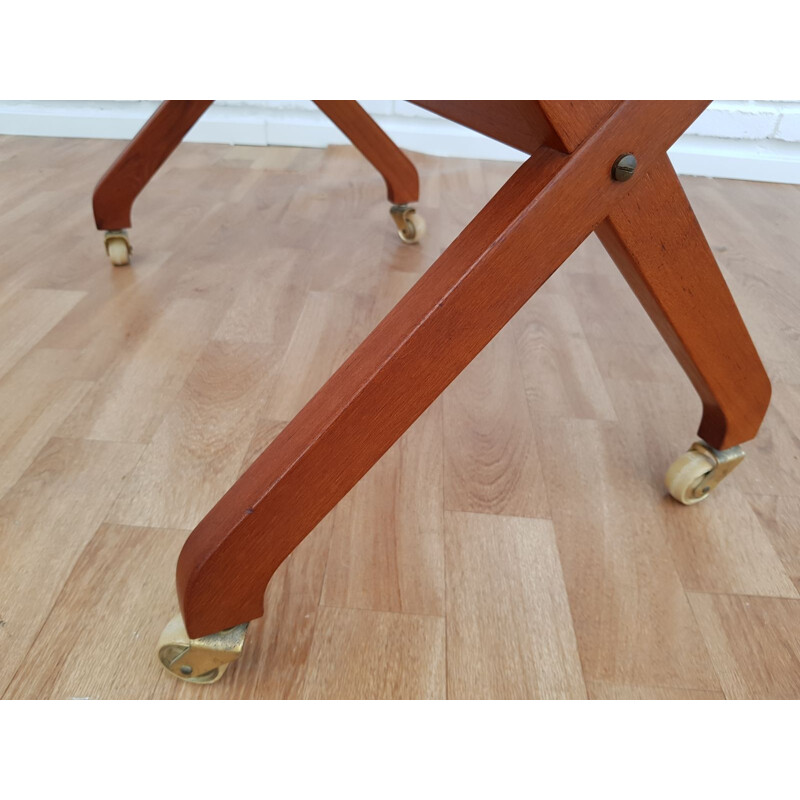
(118, 247)
(410, 225)
(693, 476)
(202, 660)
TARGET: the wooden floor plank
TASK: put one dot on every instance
(331, 326)
(776, 447)
(387, 551)
(197, 451)
(26, 317)
(269, 301)
(564, 567)
(509, 630)
(376, 655)
(35, 396)
(632, 620)
(279, 643)
(754, 644)
(610, 691)
(46, 519)
(129, 403)
(558, 367)
(780, 519)
(492, 464)
(99, 641)
(718, 545)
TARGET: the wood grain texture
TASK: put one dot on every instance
(725, 549)
(402, 181)
(722, 547)
(507, 611)
(35, 397)
(387, 549)
(333, 441)
(560, 374)
(88, 586)
(654, 237)
(517, 123)
(318, 344)
(130, 401)
(780, 520)
(527, 124)
(46, 519)
(610, 691)
(360, 654)
(574, 120)
(754, 643)
(779, 444)
(633, 623)
(99, 640)
(492, 464)
(202, 439)
(27, 316)
(129, 174)
(268, 304)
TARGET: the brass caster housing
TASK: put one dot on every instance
(118, 247)
(692, 477)
(202, 660)
(410, 225)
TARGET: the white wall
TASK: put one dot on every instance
(746, 139)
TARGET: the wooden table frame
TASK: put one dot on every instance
(557, 197)
(116, 191)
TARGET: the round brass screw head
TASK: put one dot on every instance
(624, 167)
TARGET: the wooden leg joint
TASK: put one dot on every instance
(483, 278)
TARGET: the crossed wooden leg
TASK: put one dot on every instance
(400, 175)
(530, 227)
(402, 181)
(654, 238)
(122, 183)
(514, 244)
(145, 153)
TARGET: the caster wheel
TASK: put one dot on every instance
(693, 476)
(410, 225)
(202, 660)
(118, 247)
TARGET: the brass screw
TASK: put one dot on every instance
(624, 167)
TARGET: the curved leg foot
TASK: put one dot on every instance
(656, 241)
(123, 181)
(400, 175)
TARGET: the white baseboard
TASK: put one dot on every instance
(756, 160)
(770, 161)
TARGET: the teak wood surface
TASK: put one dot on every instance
(132, 170)
(547, 208)
(655, 240)
(135, 166)
(402, 181)
(516, 542)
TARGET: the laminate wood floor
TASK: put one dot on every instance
(517, 542)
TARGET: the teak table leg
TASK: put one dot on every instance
(145, 153)
(656, 241)
(514, 244)
(128, 175)
(400, 175)
(402, 181)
